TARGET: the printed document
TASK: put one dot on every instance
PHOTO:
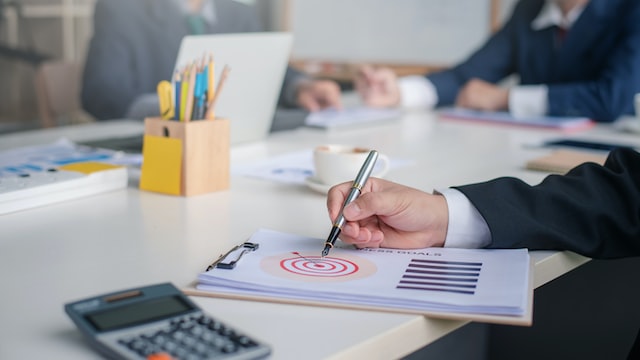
(287, 266)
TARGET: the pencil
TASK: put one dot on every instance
(210, 78)
(211, 105)
(188, 108)
(184, 89)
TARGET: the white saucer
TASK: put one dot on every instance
(314, 184)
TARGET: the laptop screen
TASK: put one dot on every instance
(257, 63)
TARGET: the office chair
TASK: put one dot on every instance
(57, 85)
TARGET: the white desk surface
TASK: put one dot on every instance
(128, 238)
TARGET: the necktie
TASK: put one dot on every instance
(561, 35)
(196, 24)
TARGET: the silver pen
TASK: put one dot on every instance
(356, 188)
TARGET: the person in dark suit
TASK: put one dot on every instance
(572, 57)
(135, 45)
(592, 210)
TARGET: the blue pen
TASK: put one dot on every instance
(177, 86)
(198, 95)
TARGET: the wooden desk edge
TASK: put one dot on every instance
(422, 331)
(550, 265)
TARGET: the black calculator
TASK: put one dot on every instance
(159, 322)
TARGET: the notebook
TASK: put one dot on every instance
(34, 176)
(562, 160)
(547, 122)
(258, 62)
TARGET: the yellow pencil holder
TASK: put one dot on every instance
(185, 158)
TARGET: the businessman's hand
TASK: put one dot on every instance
(480, 95)
(377, 87)
(315, 95)
(390, 215)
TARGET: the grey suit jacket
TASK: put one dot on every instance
(135, 44)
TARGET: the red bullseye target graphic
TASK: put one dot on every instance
(318, 266)
(314, 268)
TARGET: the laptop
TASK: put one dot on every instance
(258, 62)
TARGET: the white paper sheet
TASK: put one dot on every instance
(290, 168)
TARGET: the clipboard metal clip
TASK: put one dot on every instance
(222, 261)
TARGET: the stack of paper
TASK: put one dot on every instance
(550, 122)
(462, 281)
(40, 175)
(359, 115)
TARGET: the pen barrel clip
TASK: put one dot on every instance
(365, 170)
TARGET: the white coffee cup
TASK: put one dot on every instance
(335, 164)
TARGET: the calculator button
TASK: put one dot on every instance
(181, 353)
(159, 356)
(148, 350)
(208, 336)
(226, 332)
(245, 341)
(196, 331)
(159, 340)
(204, 320)
(215, 325)
(178, 336)
(201, 348)
(229, 348)
(170, 346)
(218, 342)
(137, 345)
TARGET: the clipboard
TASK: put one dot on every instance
(522, 319)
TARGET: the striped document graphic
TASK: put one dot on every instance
(445, 276)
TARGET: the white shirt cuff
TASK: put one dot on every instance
(529, 100)
(417, 92)
(467, 228)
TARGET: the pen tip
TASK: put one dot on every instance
(325, 251)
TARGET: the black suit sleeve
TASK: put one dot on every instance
(593, 210)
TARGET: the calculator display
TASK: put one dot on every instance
(138, 313)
